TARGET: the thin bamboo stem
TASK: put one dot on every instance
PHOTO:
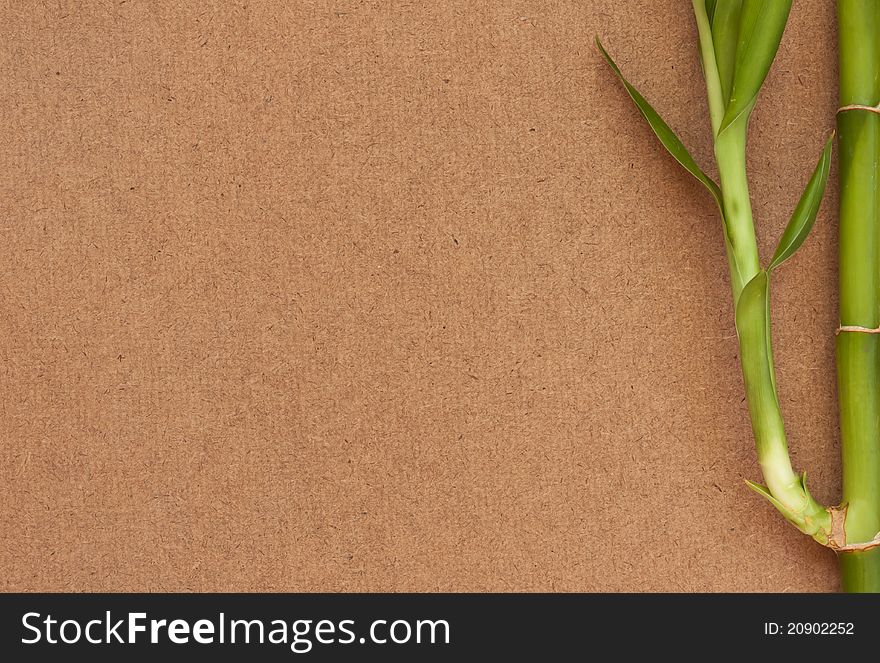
(785, 488)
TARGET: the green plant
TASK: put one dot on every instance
(858, 352)
(738, 41)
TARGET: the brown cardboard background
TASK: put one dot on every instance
(392, 296)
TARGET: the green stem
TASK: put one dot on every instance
(784, 487)
(858, 354)
(860, 571)
(730, 154)
(710, 66)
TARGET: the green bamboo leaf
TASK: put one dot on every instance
(804, 215)
(710, 9)
(753, 326)
(670, 141)
(752, 319)
(761, 25)
(725, 35)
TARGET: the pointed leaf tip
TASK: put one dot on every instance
(805, 212)
(667, 137)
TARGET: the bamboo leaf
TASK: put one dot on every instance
(725, 35)
(761, 25)
(667, 137)
(710, 9)
(804, 215)
(752, 318)
(753, 326)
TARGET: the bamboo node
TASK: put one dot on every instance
(852, 107)
(837, 535)
(857, 329)
(857, 547)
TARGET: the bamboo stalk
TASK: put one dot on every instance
(858, 353)
(738, 42)
(750, 285)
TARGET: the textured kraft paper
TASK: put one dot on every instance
(403, 296)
